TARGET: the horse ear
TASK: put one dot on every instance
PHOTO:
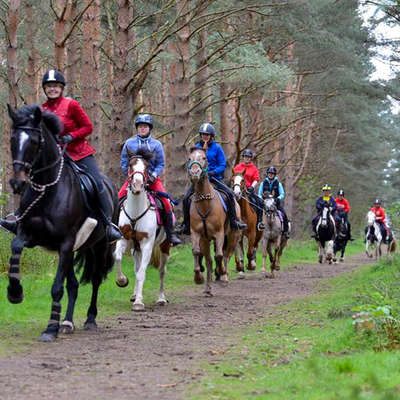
(11, 112)
(37, 116)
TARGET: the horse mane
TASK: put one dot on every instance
(142, 153)
(26, 114)
(52, 122)
(194, 148)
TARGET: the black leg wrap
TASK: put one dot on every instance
(14, 291)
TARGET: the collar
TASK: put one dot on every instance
(142, 139)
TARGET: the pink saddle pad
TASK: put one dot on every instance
(158, 214)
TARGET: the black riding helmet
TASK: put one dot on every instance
(207, 129)
(272, 170)
(248, 153)
(53, 76)
(340, 192)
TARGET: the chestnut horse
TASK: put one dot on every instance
(249, 217)
(208, 222)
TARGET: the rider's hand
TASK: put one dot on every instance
(212, 173)
(251, 189)
(151, 179)
(66, 139)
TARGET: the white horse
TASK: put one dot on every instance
(373, 237)
(138, 224)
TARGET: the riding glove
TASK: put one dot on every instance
(66, 139)
(251, 189)
(212, 173)
(151, 179)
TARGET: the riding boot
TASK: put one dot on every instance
(286, 227)
(184, 227)
(233, 220)
(112, 231)
(168, 227)
(260, 224)
(349, 228)
(10, 226)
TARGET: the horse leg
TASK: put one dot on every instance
(120, 248)
(264, 255)
(239, 255)
(67, 326)
(320, 253)
(198, 276)
(65, 264)
(251, 264)
(162, 270)
(231, 243)
(15, 293)
(219, 255)
(205, 250)
(146, 249)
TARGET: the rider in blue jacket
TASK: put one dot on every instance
(325, 198)
(216, 167)
(272, 185)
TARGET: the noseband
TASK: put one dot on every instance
(204, 169)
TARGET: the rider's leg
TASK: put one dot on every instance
(233, 219)
(184, 228)
(285, 220)
(105, 206)
(167, 215)
(314, 227)
(259, 208)
(8, 225)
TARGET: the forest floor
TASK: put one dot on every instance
(157, 353)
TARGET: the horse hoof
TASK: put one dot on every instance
(67, 328)
(162, 302)
(132, 298)
(123, 282)
(208, 293)
(263, 274)
(47, 337)
(341, 260)
(90, 326)
(15, 300)
(138, 307)
(241, 275)
(198, 278)
(251, 267)
(277, 268)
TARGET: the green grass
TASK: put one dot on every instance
(24, 322)
(311, 349)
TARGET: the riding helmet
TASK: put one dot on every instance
(326, 187)
(340, 192)
(272, 170)
(207, 129)
(53, 76)
(248, 153)
(144, 119)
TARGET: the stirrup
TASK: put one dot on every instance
(174, 240)
(240, 225)
(260, 226)
(182, 230)
(9, 226)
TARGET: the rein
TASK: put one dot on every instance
(133, 221)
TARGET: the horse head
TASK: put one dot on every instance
(197, 166)
(370, 218)
(325, 215)
(238, 183)
(270, 205)
(26, 139)
(138, 169)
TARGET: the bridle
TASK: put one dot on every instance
(41, 188)
(132, 173)
(204, 168)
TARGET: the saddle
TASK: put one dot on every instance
(87, 185)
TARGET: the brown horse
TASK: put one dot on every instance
(208, 222)
(249, 217)
(274, 241)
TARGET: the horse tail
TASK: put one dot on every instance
(393, 246)
(95, 262)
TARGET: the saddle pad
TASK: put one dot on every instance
(158, 206)
(222, 201)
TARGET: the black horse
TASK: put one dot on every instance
(325, 235)
(51, 212)
(342, 237)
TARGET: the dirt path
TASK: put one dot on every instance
(155, 354)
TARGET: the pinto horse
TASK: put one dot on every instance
(326, 233)
(273, 239)
(52, 211)
(208, 222)
(249, 216)
(374, 239)
(341, 240)
(138, 224)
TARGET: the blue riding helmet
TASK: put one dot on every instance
(272, 170)
(144, 119)
(207, 129)
(53, 76)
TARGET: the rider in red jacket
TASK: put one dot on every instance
(343, 209)
(252, 177)
(380, 214)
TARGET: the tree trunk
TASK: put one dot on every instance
(31, 77)
(63, 12)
